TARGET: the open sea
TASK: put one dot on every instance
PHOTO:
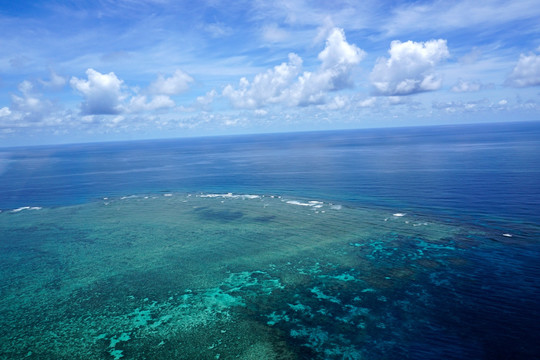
(403, 243)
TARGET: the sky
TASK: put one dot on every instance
(103, 70)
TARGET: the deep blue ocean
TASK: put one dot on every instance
(480, 172)
(401, 243)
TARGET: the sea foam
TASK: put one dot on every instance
(230, 196)
(314, 204)
(26, 208)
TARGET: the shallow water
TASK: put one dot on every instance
(206, 276)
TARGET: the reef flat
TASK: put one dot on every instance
(232, 276)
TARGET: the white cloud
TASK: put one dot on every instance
(529, 105)
(29, 105)
(526, 72)
(324, 30)
(338, 58)
(337, 103)
(466, 86)
(55, 82)
(25, 87)
(207, 98)
(284, 85)
(410, 67)
(26, 103)
(396, 100)
(139, 103)
(369, 102)
(28, 109)
(102, 92)
(266, 88)
(310, 89)
(451, 107)
(112, 123)
(176, 84)
(274, 34)
(5, 111)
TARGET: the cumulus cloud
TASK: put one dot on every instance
(25, 87)
(396, 100)
(261, 112)
(266, 88)
(102, 92)
(526, 72)
(338, 57)
(207, 99)
(140, 103)
(286, 85)
(55, 82)
(410, 68)
(176, 84)
(338, 60)
(467, 86)
(337, 102)
(27, 108)
(369, 102)
(5, 111)
(106, 94)
(27, 103)
(30, 104)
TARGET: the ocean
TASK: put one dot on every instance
(399, 243)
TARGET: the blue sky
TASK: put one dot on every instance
(78, 71)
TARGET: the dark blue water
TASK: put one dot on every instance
(478, 172)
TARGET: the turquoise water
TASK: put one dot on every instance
(96, 268)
